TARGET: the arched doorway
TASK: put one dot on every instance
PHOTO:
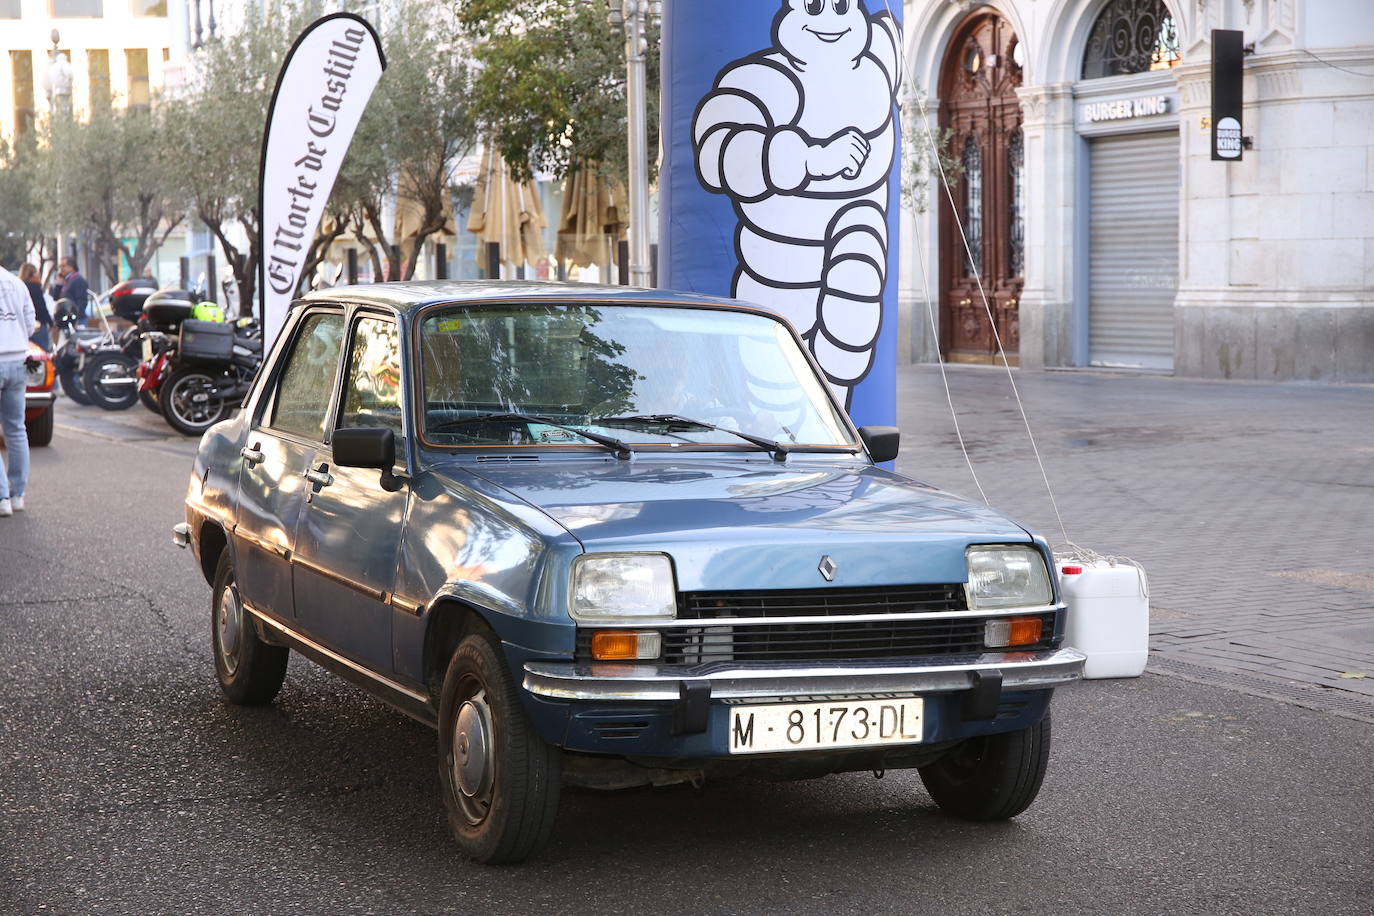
(980, 111)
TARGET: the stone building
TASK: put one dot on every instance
(1102, 232)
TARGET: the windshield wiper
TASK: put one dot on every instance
(622, 451)
(778, 450)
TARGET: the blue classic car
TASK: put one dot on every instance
(609, 537)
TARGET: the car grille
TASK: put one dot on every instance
(828, 602)
(828, 638)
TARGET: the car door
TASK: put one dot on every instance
(349, 532)
(281, 442)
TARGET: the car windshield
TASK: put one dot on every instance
(651, 376)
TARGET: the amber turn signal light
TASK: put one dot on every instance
(1013, 631)
(625, 645)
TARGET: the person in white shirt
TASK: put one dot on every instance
(17, 322)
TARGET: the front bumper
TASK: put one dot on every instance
(1043, 669)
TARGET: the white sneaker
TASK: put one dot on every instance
(17, 503)
(5, 508)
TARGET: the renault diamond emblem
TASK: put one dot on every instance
(828, 567)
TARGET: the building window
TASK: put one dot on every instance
(21, 66)
(1016, 209)
(77, 9)
(139, 94)
(1131, 36)
(9, 9)
(148, 7)
(973, 207)
(98, 72)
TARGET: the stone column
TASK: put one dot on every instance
(1046, 307)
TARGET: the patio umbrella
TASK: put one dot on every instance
(594, 218)
(507, 212)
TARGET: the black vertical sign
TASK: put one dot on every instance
(1228, 56)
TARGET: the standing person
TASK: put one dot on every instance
(74, 287)
(28, 274)
(16, 324)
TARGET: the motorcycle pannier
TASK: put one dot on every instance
(206, 341)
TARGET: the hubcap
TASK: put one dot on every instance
(472, 760)
(229, 624)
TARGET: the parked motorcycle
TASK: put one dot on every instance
(115, 378)
(210, 370)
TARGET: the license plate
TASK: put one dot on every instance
(821, 726)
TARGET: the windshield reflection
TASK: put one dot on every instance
(653, 376)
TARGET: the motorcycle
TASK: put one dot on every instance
(117, 377)
(209, 371)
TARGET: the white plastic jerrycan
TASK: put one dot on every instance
(1109, 616)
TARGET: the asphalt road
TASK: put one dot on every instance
(128, 786)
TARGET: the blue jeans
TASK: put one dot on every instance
(13, 381)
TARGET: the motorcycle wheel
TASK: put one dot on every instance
(149, 400)
(185, 403)
(72, 384)
(109, 380)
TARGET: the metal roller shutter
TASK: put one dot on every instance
(1133, 250)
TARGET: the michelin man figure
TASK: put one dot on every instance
(801, 137)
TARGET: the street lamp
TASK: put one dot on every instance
(57, 78)
(634, 18)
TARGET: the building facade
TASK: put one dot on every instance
(1086, 209)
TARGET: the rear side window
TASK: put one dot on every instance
(303, 389)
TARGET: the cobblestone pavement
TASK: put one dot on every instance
(1251, 507)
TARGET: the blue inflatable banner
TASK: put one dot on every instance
(781, 176)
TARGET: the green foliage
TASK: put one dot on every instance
(418, 124)
(925, 155)
(111, 176)
(551, 91)
(20, 224)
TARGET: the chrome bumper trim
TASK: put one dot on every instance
(181, 534)
(729, 680)
(35, 398)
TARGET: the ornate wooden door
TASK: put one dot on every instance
(978, 105)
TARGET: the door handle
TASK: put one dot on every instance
(251, 456)
(319, 477)
(966, 302)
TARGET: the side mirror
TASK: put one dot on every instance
(365, 447)
(882, 442)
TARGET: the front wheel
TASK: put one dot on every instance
(993, 777)
(250, 672)
(149, 400)
(69, 373)
(109, 380)
(500, 780)
(187, 402)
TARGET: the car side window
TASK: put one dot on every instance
(372, 392)
(303, 389)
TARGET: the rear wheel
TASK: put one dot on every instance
(500, 780)
(109, 380)
(187, 403)
(250, 672)
(991, 778)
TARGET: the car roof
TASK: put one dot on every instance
(410, 295)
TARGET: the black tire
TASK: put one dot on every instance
(502, 804)
(40, 428)
(991, 778)
(69, 373)
(109, 381)
(149, 400)
(250, 672)
(179, 398)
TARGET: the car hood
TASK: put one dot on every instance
(754, 523)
